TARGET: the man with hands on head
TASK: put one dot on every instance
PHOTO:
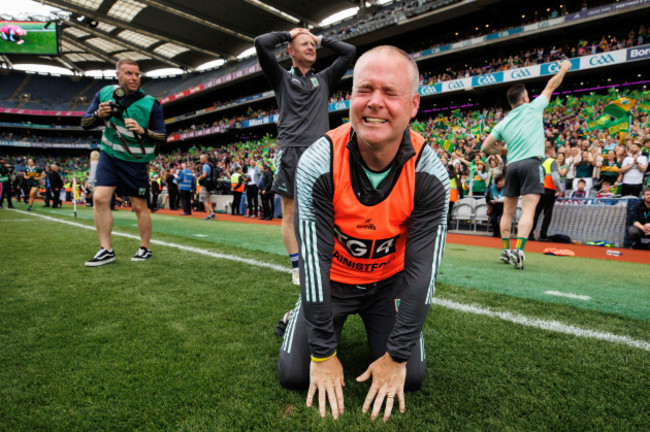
(134, 125)
(302, 95)
(371, 219)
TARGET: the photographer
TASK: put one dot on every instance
(134, 125)
(5, 183)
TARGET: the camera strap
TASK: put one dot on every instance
(109, 124)
(136, 135)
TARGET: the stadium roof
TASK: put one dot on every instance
(181, 34)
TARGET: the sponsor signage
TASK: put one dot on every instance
(7, 143)
(603, 59)
(430, 90)
(43, 112)
(338, 106)
(553, 68)
(541, 25)
(638, 53)
(504, 33)
(521, 73)
(458, 84)
(614, 7)
(260, 121)
(489, 79)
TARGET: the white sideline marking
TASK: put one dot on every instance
(554, 326)
(568, 295)
(172, 245)
(200, 235)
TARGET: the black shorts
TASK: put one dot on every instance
(524, 177)
(286, 162)
(129, 178)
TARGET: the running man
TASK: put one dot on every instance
(522, 130)
(33, 176)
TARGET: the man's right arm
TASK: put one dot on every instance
(90, 119)
(264, 45)
(314, 222)
(556, 80)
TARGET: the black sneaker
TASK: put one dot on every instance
(142, 254)
(282, 324)
(104, 256)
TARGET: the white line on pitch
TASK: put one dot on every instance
(172, 245)
(568, 295)
(554, 326)
(200, 235)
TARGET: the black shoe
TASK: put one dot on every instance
(104, 256)
(142, 254)
(186, 214)
(282, 324)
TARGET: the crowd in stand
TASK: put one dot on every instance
(528, 57)
(591, 154)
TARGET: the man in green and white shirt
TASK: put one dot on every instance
(134, 125)
(523, 132)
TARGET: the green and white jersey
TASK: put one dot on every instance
(33, 176)
(136, 150)
(523, 130)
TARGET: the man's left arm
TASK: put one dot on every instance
(156, 133)
(424, 246)
(342, 63)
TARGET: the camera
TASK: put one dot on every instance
(116, 105)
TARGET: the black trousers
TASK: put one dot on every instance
(154, 201)
(628, 189)
(546, 203)
(56, 198)
(267, 204)
(251, 195)
(376, 307)
(173, 198)
(46, 197)
(6, 193)
(495, 219)
(186, 201)
(236, 202)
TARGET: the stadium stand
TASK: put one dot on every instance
(466, 65)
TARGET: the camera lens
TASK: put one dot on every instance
(119, 93)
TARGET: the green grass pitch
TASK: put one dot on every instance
(184, 342)
(37, 40)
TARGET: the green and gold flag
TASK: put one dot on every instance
(600, 123)
(620, 107)
(441, 123)
(644, 106)
(620, 125)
